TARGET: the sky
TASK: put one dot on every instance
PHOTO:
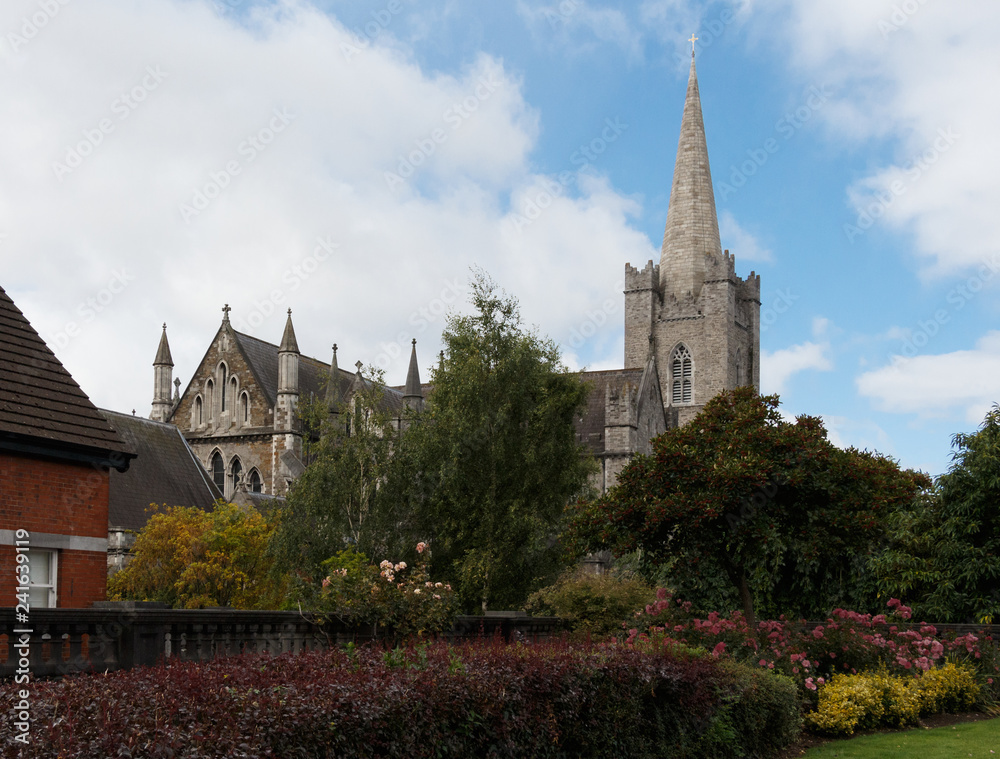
(355, 161)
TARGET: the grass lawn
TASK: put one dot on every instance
(978, 739)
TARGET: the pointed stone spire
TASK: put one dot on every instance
(163, 370)
(288, 341)
(413, 396)
(288, 379)
(163, 357)
(692, 231)
(333, 383)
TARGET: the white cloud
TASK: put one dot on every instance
(862, 434)
(966, 381)
(739, 241)
(911, 72)
(277, 189)
(777, 368)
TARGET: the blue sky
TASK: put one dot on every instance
(353, 160)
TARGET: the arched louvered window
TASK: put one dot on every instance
(681, 376)
(219, 472)
(222, 384)
(210, 399)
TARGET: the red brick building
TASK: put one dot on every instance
(56, 452)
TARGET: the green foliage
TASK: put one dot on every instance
(192, 559)
(742, 495)
(341, 499)
(491, 463)
(391, 595)
(944, 556)
(594, 605)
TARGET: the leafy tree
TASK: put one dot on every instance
(945, 553)
(189, 558)
(491, 463)
(341, 499)
(740, 496)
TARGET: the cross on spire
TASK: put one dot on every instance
(692, 41)
(225, 312)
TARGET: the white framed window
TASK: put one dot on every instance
(681, 376)
(43, 573)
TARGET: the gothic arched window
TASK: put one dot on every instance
(219, 472)
(681, 376)
(244, 408)
(236, 474)
(199, 418)
(254, 484)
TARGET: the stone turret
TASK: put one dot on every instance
(288, 379)
(333, 396)
(692, 232)
(413, 395)
(163, 369)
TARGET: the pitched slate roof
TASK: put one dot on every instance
(41, 406)
(313, 373)
(590, 424)
(166, 472)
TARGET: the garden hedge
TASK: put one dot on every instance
(486, 699)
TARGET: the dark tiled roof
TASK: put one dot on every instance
(590, 426)
(40, 402)
(313, 373)
(165, 472)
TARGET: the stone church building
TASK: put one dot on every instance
(692, 330)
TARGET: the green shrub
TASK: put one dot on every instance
(764, 707)
(593, 604)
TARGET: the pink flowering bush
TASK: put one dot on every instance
(846, 643)
(391, 595)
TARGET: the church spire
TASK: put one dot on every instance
(333, 385)
(692, 231)
(163, 369)
(412, 395)
(288, 342)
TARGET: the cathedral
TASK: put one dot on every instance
(692, 330)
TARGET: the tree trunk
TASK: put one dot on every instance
(739, 578)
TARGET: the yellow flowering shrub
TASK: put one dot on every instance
(867, 700)
(875, 699)
(947, 689)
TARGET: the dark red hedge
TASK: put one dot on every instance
(487, 699)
